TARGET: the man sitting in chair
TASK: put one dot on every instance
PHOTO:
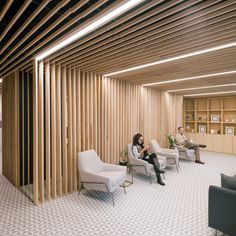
(183, 142)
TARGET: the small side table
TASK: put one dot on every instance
(127, 183)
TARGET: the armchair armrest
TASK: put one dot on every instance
(222, 209)
(167, 154)
(111, 167)
(90, 177)
(167, 150)
(139, 162)
(181, 148)
(161, 157)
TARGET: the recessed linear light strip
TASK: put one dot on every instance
(224, 46)
(197, 88)
(118, 11)
(191, 78)
(205, 94)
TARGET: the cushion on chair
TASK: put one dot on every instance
(114, 176)
(228, 182)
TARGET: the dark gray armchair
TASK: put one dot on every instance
(222, 210)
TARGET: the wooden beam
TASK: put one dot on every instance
(64, 131)
(15, 18)
(41, 131)
(35, 129)
(48, 130)
(5, 9)
(58, 130)
(53, 130)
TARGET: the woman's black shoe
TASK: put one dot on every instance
(161, 182)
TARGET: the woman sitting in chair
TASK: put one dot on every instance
(140, 151)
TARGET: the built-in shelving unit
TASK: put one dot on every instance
(212, 121)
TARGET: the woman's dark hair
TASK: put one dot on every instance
(136, 138)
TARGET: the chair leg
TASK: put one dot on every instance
(150, 178)
(112, 198)
(164, 176)
(216, 232)
(124, 187)
(80, 189)
(176, 165)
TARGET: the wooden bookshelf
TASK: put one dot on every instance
(206, 121)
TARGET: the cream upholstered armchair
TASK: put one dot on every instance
(141, 166)
(97, 175)
(185, 153)
(171, 155)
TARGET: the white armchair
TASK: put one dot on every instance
(97, 175)
(185, 153)
(141, 166)
(171, 155)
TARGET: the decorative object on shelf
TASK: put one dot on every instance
(212, 131)
(226, 120)
(218, 132)
(229, 130)
(215, 118)
(187, 118)
(204, 118)
(199, 118)
(193, 130)
(187, 127)
(233, 120)
(123, 157)
(202, 129)
(193, 116)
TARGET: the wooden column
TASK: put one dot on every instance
(35, 128)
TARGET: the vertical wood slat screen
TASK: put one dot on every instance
(87, 111)
(73, 111)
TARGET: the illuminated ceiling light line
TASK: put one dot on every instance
(204, 94)
(204, 87)
(191, 78)
(204, 51)
(103, 20)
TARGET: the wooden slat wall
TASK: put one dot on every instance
(83, 111)
(74, 111)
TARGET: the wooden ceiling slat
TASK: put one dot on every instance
(102, 34)
(210, 55)
(32, 16)
(15, 18)
(34, 29)
(160, 32)
(135, 48)
(39, 45)
(182, 48)
(119, 36)
(5, 9)
(154, 30)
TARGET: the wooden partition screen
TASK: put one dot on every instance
(77, 110)
(69, 111)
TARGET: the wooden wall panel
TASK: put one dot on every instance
(10, 128)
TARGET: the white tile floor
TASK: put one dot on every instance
(179, 208)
